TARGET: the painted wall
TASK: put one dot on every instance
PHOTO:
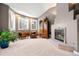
(4, 9)
(77, 32)
(64, 18)
(50, 14)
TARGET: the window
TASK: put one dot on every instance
(12, 21)
(23, 23)
(34, 24)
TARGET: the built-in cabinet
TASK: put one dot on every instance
(43, 31)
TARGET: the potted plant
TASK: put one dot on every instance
(5, 38)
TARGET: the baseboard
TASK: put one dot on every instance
(75, 52)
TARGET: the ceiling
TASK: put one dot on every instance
(31, 9)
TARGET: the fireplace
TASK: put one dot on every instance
(60, 34)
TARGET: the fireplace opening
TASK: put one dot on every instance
(60, 34)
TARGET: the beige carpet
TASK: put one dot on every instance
(33, 47)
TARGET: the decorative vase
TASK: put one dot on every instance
(4, 44)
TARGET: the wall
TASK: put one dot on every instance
(4, 9)
(50, 14)
(77, 32)
(64, 18)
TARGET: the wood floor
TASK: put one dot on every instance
(34, 47)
